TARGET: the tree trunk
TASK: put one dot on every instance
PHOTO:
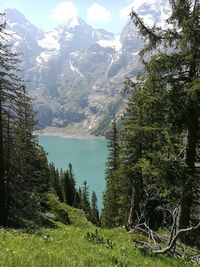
(137, 212)
(188, 192)
(3, 195)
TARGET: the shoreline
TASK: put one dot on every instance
(66, 133)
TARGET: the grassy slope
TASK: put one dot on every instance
(68, 246)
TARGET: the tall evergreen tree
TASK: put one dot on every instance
(176, 65)
(77, 199)
(55, 180)
(146, 142)
(72, 182)
(8, 95)
(94, 210)
(111, 195)
(69, 186)
(159, 141)
(23, 163)
(85, 202)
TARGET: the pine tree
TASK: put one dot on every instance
(112, 193)
(69, 186)
(94, 210)
(23, 163)
(176, 65)
(72, 182)
(85, 202)
(146, 142)
(77, 199)
(66, 187)
(8, 95)
(55, 179)
(29, 167)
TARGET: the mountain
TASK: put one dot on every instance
(75, 73)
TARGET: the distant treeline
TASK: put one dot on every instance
(63, 184)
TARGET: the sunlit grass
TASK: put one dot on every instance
(69, 245)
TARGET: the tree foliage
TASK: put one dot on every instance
(159, 140)
(94, 210)
(23, 163)
(111, 195)
(176, 66)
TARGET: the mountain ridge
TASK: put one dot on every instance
(76, 73)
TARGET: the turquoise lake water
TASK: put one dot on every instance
(87, 157)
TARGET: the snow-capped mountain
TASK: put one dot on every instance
(152, 11)
(75, 73)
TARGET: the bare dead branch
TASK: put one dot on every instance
(179, 154)
(156, 237)
(174, 226)
(173, 242)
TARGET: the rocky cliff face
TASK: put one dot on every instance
(75, 73)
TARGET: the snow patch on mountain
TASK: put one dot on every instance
(44, 57)
(50, 40)
(11, 24)
(137, 4)
(112, 60)
(73, 22)
(76, 55)
(114, 43)
(68, 36)
(74, 69)
(102, 34)
(151, 11)
(154, 11)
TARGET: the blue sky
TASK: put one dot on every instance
(46, 14)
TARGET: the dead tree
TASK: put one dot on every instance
(175, 238)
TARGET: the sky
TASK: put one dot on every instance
(110, 15)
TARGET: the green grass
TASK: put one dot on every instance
(74, 245)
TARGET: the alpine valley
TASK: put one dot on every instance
(75, 73)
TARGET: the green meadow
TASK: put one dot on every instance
(78, 244)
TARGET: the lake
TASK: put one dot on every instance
(87, 156)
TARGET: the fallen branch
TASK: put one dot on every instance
(174, 226)
(173, 242)
(155, 237)
(145, 247)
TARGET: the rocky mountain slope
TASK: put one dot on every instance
(75, 73)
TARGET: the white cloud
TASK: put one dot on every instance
(98, 13)
(64, 11)
(125, 11)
